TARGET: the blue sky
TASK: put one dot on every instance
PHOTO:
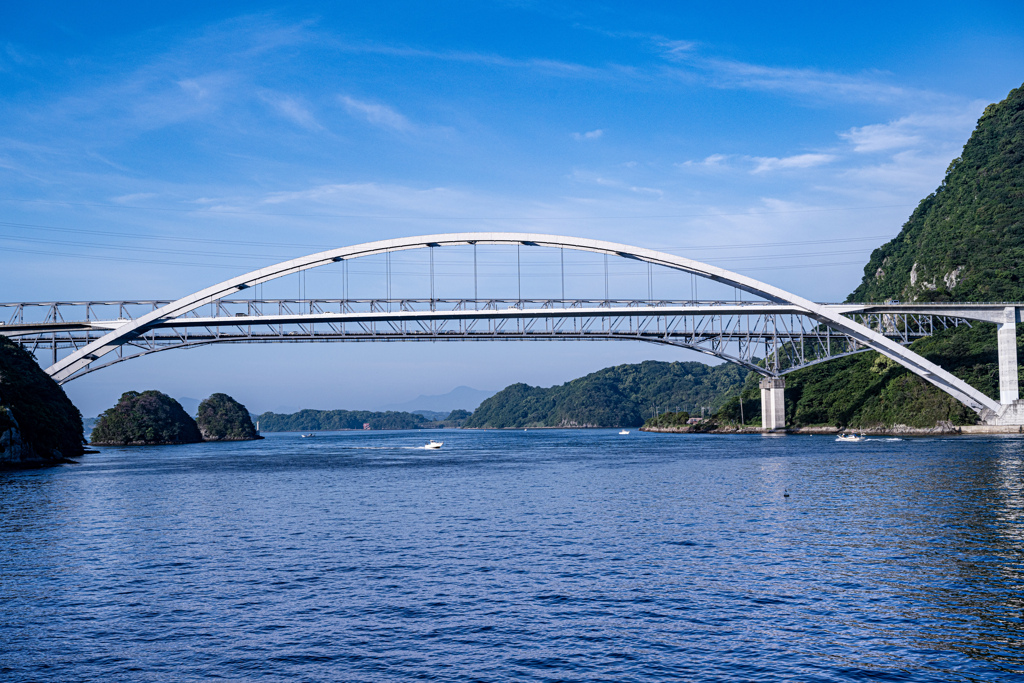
(148, 150)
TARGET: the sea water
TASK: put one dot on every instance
(548, 555)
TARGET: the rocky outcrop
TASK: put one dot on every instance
(149, 418)
(38, 423)
(222, 418)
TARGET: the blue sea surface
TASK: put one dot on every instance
(548, 555)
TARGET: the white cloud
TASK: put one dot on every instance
(766, 164)
(711, 162)
(613, 183)
(879, 137)
(589, 135)
(915, 129)
(379, 115)
(291, 109)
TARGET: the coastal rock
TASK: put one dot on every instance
(222, 418)
(145, 419)
(38, 423)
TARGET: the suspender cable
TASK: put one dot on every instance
(606, 280)
(387, 268)
(431, 250)
(519, 275)
(561, 255)
(476, 295)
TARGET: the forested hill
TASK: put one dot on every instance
(965, 241)
(324, 420)
(620, 396)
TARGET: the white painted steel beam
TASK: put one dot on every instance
(66, 368)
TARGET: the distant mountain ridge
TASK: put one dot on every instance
(462, 397)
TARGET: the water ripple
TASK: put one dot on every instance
(543, 556)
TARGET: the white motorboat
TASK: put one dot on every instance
(306, 436)
(850, 438)
(624, 431)
(434, 445)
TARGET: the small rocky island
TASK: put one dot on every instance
(149, 418)
(153, 418)
(38, 423)
(222, 418)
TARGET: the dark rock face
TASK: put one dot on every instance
(147, 419)
(38, 423)
(222, 418)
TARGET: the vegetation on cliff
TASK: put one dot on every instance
(147, 418)
(668, 420)
(964, 242)
(36, 417)
(222, 418)
(619, 396)
(326, 420)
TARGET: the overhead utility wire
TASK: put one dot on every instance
(235, 268)
(107, 233)
(215, 212)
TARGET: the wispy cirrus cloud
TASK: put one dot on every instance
(709, 162)
(797, 161)
(375, 114)
(693, 61)
(589, 135)
(290, 108)
(915, 129)
(756, 164)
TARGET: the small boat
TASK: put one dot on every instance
(306, 436)
(624, 431)
(851, 438)
(434, 445)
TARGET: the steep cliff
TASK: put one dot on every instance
(964, 242)
(38, 423)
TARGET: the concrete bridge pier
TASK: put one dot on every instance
(1012, 408)
(773, 403)
(1006, 334)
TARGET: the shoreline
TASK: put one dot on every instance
(896, 430)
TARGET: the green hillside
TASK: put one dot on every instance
(328, 420)
(963, 242)
(38, 423)
(621, 396)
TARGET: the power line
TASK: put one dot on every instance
(215, 212)
(175, 238)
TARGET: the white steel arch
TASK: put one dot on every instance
(66, 367)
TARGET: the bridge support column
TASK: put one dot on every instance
(773, 403)
(1006, 336)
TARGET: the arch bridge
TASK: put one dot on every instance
(773, 334)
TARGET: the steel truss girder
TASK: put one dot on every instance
(831, 316)
(768, 343)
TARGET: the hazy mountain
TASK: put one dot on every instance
(465, 398)
(191, 405)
